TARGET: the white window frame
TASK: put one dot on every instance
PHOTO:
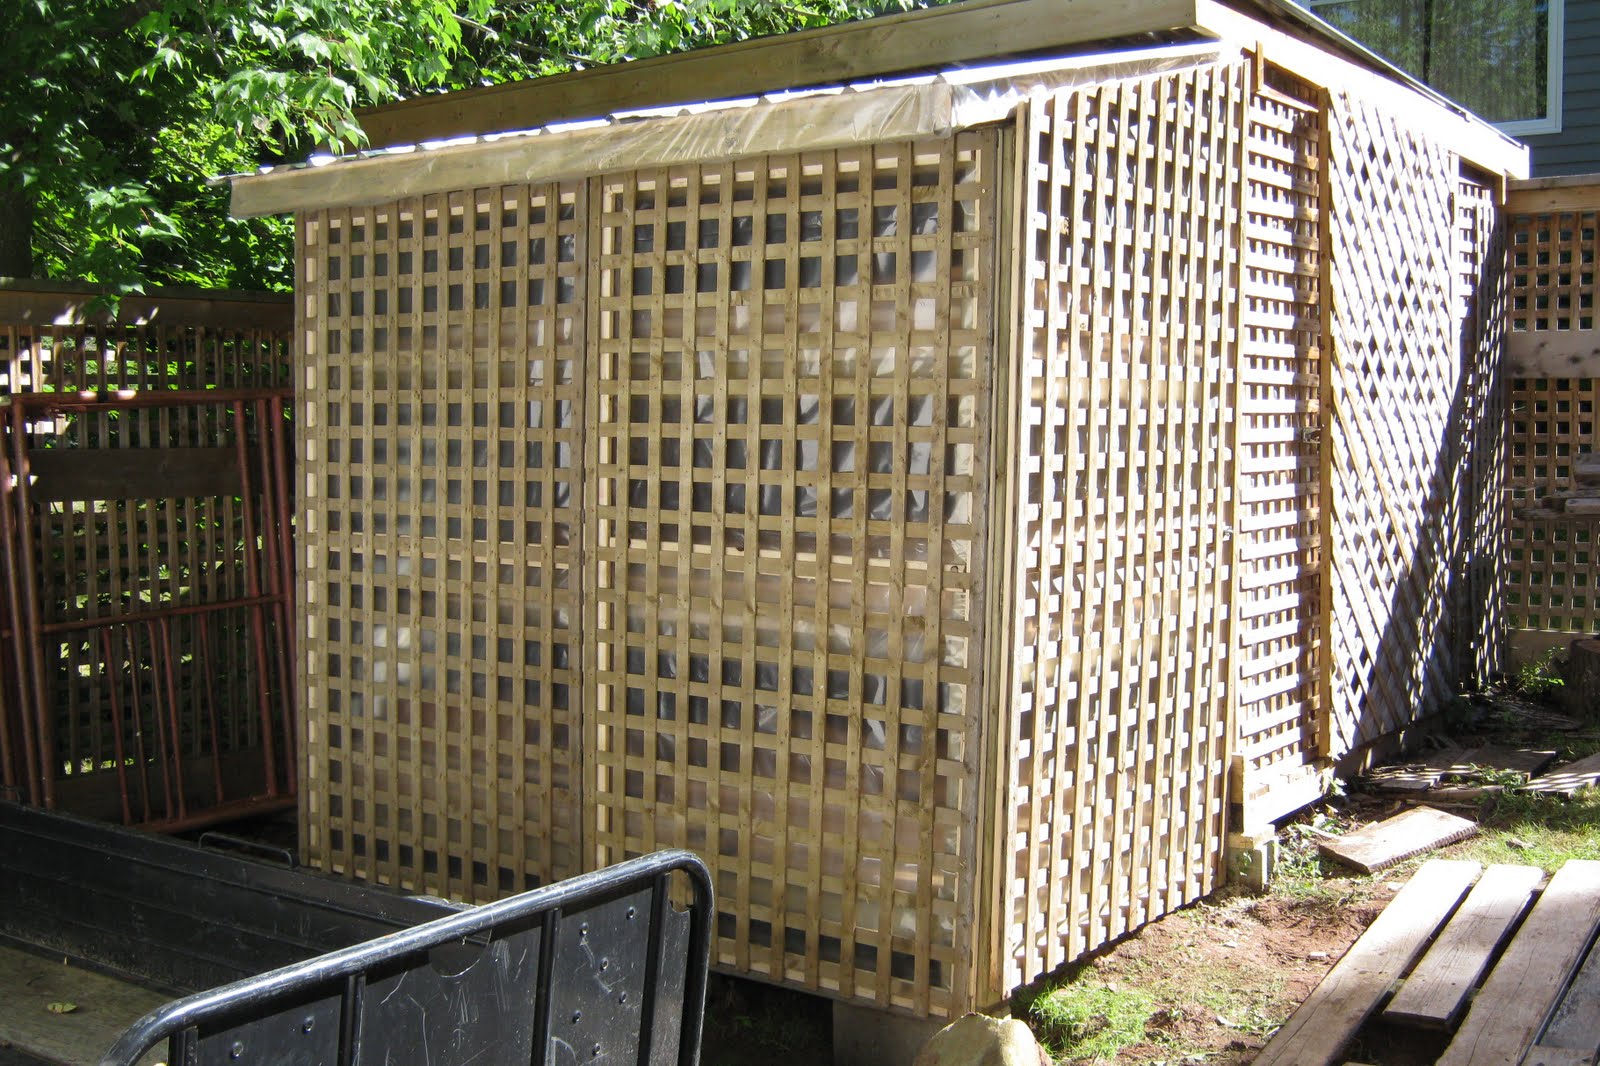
(1556, 45)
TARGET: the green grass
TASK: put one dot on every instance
(1084, 1019)
(1538, 830)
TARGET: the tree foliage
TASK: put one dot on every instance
(116, 113)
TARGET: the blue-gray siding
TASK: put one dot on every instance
(1576, 149)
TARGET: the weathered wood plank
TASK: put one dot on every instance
(1319, 1030)
(67, 303)
(1565, 780)
(1437, 990)
(1409, 833)
(1516, 999)
(1576, 1021)
(134, 473)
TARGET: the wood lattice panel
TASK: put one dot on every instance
(1117, 684)
(1553, 281)
(151, 545)
(1395, 375)
(790, 402)
(1477, 527)
(441, 395)
(1552, 567)
(1278, 547)
(1552, 570)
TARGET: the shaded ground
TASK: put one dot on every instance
(1209, 984)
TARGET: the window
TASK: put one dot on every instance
(1499, 58)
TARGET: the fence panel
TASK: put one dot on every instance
(1552, 558)
(147, 551)
(1116, 694)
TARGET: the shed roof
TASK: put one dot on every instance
(826, 88)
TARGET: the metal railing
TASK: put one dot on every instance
(597, 968)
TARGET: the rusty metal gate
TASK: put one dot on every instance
(146, 674)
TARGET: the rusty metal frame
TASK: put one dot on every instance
(28, 760)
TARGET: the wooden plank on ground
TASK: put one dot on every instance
(1576, 1021)
(1514, 1002)
(1565, 780)
(1438, 988)
(103, 1008)
(1329, 1017)
(1382, 844)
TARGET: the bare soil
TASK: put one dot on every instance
(1229, 970)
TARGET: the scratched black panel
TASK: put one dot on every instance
(466, 1004)
(597, 984)
(669, 1020)
(302, 1035)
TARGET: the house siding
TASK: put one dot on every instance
(1576, 149)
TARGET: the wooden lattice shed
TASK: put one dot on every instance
(943, 503)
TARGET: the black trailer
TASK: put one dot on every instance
(287, 967)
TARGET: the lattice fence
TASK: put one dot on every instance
(440, 444)
(1552, 568)
(135, 513)
(1278, 548)
(1395, 396)
(790, 402)
(1117, 688)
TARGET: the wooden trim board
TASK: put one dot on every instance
(1318, 1031)
(919, 40)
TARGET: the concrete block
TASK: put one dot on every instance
(1251, 858)
(866, 1036)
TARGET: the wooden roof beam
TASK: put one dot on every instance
(919, 40)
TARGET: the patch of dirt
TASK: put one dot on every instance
(1229, 970)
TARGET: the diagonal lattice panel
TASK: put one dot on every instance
(1394, 374)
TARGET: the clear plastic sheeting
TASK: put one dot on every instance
(866, 113)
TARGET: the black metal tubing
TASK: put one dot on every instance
(341, 974)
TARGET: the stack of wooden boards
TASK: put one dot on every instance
(1485, 955)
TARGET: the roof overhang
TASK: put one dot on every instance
(591, 122)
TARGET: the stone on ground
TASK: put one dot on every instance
(978, 1040)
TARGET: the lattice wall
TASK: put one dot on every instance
(1478, 522)
(1118, 683)
(783, 419)
(1552, 557)
(1278, 546)
(441, 399)
(790, 395)
(1395, 394)
(1552, 570)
